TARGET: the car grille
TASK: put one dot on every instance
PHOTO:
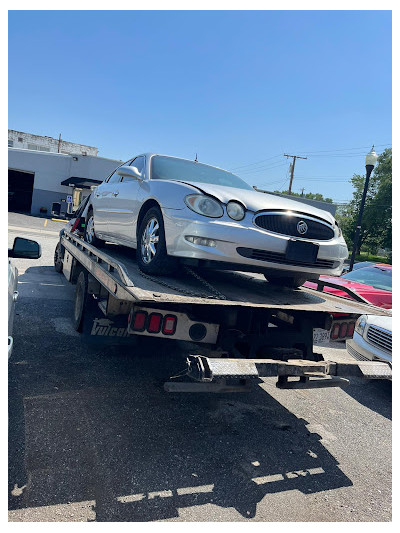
(274, 257)
(287, 225)
(380, 337)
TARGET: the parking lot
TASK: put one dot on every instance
(94, 437)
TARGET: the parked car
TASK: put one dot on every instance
(356, 266)
(372, 340)
(374, 283)
(23, 248)
(170, 208)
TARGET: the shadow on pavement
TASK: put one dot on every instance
(94, 423)
(374, 394)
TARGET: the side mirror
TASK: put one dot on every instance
(25, 248)
(129, 172)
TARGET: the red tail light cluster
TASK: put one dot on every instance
(343, 330)
(154, 322)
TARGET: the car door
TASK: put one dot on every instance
(121, 225)
(103, 206)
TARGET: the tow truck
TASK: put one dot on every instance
(239, 327)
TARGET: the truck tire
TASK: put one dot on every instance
(151, 253)
(58, 258)
(81, 296)
(89, 235)
(292, 282)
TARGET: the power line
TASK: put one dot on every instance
(342, 149)
(257, 162)
(315, 153)
(263, 169)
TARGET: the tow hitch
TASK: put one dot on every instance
(213, 374)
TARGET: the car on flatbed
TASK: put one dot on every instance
(171, 209)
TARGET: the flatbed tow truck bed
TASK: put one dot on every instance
(252, 328)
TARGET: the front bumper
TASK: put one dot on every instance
(362, 350)
(230, 235)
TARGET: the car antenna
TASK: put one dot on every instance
(195, 159)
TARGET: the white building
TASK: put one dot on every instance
(29, 141)
(36, 179)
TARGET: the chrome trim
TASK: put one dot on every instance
(380, 337)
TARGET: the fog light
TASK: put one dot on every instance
(201, 241)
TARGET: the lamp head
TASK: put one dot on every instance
(371, 158)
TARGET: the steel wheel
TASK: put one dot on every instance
(149, 240)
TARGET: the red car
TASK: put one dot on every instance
(373, 283)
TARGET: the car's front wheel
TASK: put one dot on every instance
(90, 236)
(286, 281)
(151, 251)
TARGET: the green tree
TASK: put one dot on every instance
(376, 225)
(309, 196)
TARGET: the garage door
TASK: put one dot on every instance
(20, 189)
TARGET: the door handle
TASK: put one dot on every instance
(115, 193)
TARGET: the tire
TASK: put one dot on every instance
(89, 235)
(286, 281)
(151, 253)
(58, 258)
(81, 295)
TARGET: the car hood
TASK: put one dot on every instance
(377, 297)
(258, 201)
(384, 322)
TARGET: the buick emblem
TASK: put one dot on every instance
(302, 227)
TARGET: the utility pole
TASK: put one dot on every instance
(59, 143)
(292, 168)
(302, 191)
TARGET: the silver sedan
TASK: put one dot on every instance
(173, 209)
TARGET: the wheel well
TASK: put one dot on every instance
(143, 210)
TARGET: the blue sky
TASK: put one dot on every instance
(240, 88)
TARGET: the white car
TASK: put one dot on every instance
(22, 248)
(170, 208)
(372, 339)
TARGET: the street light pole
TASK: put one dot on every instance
(370, 160)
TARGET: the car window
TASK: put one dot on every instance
(171, 168)
(114, 178)
(377, 277)
(139, 163)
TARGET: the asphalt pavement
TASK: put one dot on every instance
(94, 437)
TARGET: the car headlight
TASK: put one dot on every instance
(235, 210)
(360, 324)
(204, 205)
(338, 230)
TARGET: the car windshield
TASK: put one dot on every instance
(377, 277)
(171, 168)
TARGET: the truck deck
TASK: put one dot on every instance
(116, 269)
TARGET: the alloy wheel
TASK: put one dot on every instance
(149, 240)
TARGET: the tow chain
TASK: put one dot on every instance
(216, 295)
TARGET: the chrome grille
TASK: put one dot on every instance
(380, 337)
(274, 257)
(287, 225)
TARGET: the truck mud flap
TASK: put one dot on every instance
(292, 374)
